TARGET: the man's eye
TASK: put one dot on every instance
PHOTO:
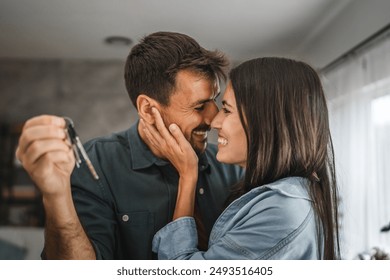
(201, 108)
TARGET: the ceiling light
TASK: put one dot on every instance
(118, 41)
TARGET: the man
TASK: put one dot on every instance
(116, 216)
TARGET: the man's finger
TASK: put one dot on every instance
(45, 120)
(40, 148)
(39, 132)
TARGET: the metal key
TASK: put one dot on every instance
(77, 146)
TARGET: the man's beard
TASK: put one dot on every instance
(199, 141)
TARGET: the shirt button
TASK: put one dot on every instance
(201, 191)
(125, 218)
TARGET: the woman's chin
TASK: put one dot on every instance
(221, 158)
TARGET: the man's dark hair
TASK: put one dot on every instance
(152, 65)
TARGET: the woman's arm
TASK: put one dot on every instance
(174, 147)
(265, 224)
(185, 198)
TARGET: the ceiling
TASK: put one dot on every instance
(243, 29)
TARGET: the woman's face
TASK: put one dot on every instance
(232, 147)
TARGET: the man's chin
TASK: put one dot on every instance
(200, 147)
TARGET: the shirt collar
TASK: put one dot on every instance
(291, 186)
(142, 157)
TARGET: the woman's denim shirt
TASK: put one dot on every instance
(274, 221)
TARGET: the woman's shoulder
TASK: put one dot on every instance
(285, 202)
(270, 220)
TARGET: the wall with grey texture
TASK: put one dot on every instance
(92, 93)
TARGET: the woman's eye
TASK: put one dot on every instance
(226, 111)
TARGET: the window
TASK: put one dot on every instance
(358, 93)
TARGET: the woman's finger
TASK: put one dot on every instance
(152, 133)
(150, 137)
(179, 137)
(185, 147)
(162, 128)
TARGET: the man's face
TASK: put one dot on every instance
(192, 107)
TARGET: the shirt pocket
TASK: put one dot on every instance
(136, 230)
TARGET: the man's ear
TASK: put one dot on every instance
(144, 105)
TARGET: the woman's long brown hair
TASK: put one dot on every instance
(283, 110)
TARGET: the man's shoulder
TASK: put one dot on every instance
(116, 139)
(117, 142)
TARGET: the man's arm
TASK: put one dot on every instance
(47, 156)
(65, 237)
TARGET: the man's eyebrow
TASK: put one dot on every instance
(202, 101)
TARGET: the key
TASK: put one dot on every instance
(77, 146)
(71, 134)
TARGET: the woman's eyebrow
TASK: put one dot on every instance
(225, 103)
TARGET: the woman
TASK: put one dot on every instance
(273, 122)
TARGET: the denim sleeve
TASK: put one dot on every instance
(176, 240)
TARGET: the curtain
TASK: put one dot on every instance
(358, 93)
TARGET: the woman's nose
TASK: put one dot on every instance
(216, 122)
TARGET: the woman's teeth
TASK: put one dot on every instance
(222, 141)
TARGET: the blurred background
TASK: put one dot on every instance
(67, 57)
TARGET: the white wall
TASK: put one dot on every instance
(357, 21)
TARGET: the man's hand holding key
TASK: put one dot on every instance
(47, 151)
(47, 155)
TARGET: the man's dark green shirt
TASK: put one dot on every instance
(135, 195)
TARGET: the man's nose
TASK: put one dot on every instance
(211, 112)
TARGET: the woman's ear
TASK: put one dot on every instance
(144, 106)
